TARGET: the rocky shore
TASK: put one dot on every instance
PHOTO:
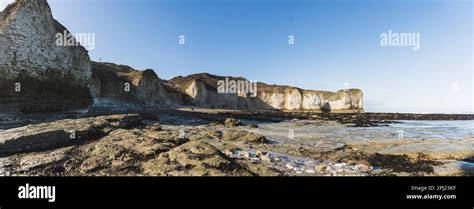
(183, 143)
(63, 114)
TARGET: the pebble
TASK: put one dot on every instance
(253, 126)
(339, 164)
(228, 152)
(310, 171)
(309, 162)
(362, 167)
(260, 153)
(244, 154)
(299, 166)
(299, 162)
(321, 168)
(255, 159)
(290, 166)
(266, 158)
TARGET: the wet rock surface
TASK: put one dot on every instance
(137, 145)
(454, 168)
(262, 140)
(231, 122)
(121, 145)
(195, 158)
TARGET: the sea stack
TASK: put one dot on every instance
(37, 75)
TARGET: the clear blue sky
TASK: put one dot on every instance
(337, 42)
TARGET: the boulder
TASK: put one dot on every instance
(196, 158)
(243, 136)
(231, 122)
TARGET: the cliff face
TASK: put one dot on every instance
(201, 90)
(292, 98)
(35, 74)
(120, 85)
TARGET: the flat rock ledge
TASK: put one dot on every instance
(123, 145)
(152, 145)
(61, 133)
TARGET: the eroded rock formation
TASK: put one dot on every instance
(137, 145)
(120, 85)
(122, 145)
(36, 75)
(61, 133)
(201, 90)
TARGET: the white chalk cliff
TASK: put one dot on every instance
(201, 90)
(60, 78)
(121, 85)
(50, 77)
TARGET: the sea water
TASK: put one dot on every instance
(307, 131)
